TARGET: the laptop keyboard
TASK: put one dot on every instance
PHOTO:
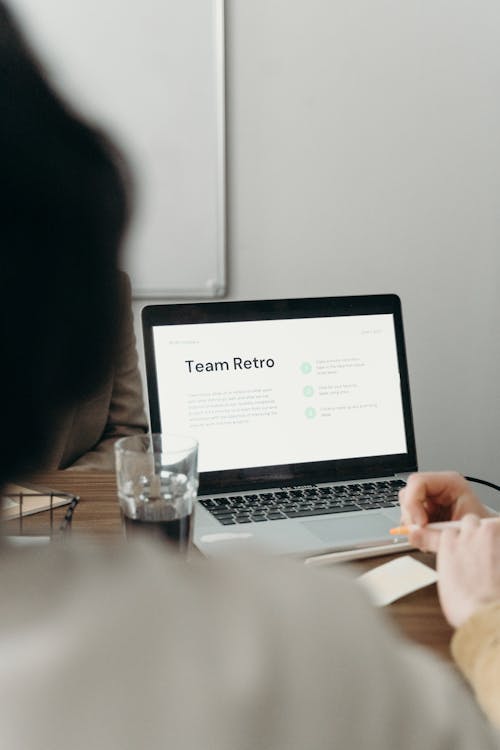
(302, 502)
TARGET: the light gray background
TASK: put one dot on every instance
(363, 156)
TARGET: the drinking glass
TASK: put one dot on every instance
(157, 479)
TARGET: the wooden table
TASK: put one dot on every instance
(418, 615)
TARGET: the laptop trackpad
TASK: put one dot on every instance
(349, 530)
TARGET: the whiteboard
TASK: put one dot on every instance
(152, 74)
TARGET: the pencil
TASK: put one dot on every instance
(438, 526)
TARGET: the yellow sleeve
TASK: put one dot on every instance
(476, 650)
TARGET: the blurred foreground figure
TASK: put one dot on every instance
(113, 648)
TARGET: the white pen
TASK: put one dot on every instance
(438, 526)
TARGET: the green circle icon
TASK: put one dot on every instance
(306, 367)
(308, 390)
(310, 412)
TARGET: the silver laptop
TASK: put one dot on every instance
(302, 412)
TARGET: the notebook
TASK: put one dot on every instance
(302, 412)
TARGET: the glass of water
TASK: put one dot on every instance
(157, 479)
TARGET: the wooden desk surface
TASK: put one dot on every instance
(418, 615)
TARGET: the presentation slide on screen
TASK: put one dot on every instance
(271, 392)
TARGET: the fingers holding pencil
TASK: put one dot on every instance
(431, 537)
(428, 497)
(428, 538)
(436, 496)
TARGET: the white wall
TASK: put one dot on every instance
(363, 156)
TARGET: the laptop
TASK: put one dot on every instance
(302, 412)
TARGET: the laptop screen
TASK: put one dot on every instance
(295, 390)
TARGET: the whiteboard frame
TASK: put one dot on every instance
(216, 287)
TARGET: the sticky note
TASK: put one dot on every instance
(399, 577)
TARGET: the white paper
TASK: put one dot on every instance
(399, 577)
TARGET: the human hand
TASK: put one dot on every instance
(436, 496)
(468, 566)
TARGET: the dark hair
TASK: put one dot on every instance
(63, 210)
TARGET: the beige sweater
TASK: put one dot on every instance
(476, 649)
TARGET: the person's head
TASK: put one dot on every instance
(63, 210)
